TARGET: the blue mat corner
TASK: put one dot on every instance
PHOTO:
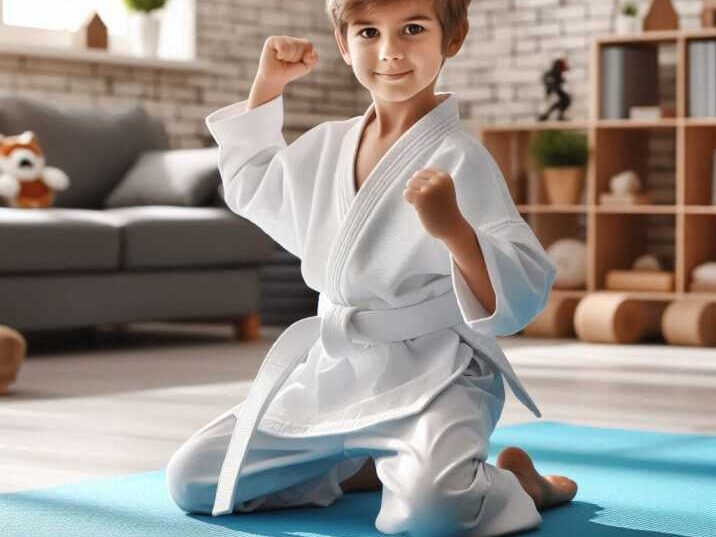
(631, 484)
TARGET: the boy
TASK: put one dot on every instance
(403, 223)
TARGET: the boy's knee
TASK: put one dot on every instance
(183, 486)
(449, 505)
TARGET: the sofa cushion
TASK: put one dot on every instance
(94, 147)
(41, 240)
(184, 177)
(160, 236)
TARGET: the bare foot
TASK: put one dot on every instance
(365, 480)
(546, 491)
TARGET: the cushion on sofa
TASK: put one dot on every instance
(157, 236)
(42, 240)
(182, 177)
(94, 147)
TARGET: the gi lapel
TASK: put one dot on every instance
(420, 137)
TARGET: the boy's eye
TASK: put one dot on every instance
(411, 29)
(361, 33)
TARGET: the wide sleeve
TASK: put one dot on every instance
(258, 170)
(519, 269)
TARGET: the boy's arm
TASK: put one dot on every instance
(256, 168)
(501, 274)
(466, 250)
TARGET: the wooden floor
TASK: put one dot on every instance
(108, 403)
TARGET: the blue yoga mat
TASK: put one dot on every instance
(631, 484)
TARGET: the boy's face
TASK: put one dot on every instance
(394, 38)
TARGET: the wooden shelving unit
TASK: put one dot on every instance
(616, 236)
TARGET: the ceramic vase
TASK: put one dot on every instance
(144, 34)
(564, 185)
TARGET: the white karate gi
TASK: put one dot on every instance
(368, 252)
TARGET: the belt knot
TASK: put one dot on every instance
(335, 330)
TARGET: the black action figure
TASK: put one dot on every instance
(553, 81)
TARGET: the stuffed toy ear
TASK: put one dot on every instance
(30, 139)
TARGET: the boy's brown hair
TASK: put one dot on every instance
(452, 15)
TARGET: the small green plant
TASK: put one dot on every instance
(629, 9)
(559, 149)
(144, 6)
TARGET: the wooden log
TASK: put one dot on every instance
(12, 353)
(555, 320)
(690, 321)
(247, 327)
(616, 318)
(661, 281)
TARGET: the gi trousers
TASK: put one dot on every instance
(436, 482)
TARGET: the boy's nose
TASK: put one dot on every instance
(389, 51)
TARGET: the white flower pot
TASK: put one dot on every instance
(144, 34)
(628, 25)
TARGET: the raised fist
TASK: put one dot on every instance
(285, 59)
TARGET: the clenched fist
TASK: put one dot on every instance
(285, 58)
(432, 192)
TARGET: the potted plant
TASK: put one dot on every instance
(144, 26)
(562, 157)
(628, 19)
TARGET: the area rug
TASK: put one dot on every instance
(631, 484)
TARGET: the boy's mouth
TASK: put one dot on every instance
(393, 75)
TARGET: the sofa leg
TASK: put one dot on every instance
(247, 327)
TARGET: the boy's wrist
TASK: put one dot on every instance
(263, 91)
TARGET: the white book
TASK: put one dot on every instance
(698, 68)
(711, 78)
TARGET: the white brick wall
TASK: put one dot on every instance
(496, 75)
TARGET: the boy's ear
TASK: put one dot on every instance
(456, 44)
(342, 46)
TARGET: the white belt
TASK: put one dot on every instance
(339, 327)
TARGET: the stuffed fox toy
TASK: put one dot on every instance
(25, 181)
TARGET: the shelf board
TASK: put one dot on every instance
(636, 209)
(655, 37)
(546, 208)
(663, 123)
(699, 121)
(700, 209)
(699, 294)
(102, 57)
(537, 126)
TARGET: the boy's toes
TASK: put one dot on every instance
(562, 488)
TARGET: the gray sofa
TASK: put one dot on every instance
(83, 263)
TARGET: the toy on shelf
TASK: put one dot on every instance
(690, 321)
(25, 181)
(94, 33)
(661, 16)
(615, 318)
(625, 189)
(570, 258)
(648, 262)
(703, 278)
(12, 354)
(553, 80)
(562, 157)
